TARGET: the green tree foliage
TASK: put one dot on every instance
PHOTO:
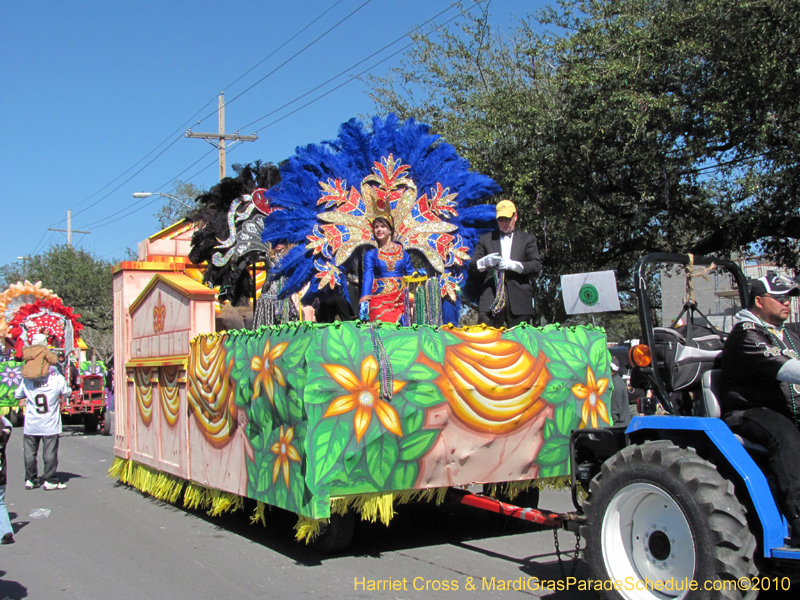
(82, 281)
(637, 126)
(177, 208)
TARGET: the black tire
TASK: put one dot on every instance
(90, 423)
(660, 512)
(337, 534)
(106, 429)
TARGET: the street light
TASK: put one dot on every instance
(148, 194)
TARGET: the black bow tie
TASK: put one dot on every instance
(506, 235)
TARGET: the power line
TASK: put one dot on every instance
(128, 210)
(295, 55)
(328, 81)
(289, 39)
(344, 83)
(211, 114)
(179, 130)
(121, 248)
(36, 248)
(358, 63)
(105, 220)
(96, 202)
(128, 214)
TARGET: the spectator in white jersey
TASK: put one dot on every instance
(42, 425)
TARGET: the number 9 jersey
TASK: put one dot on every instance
(43, 408)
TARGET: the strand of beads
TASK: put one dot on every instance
(385, 373)
(780, 340)
(421, 305)
(406, 307)
(434, 302)
(500, 292)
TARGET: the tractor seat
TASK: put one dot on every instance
(710, 406)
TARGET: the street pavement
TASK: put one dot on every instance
(104, 540)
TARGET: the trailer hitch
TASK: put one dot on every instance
(490, 504)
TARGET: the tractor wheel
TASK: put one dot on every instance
(106, 430)
(337, 534)
(90, 423)
(657, 512)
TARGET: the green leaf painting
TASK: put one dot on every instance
(423, 394)
(381, 456)
(328, 441)
(415, 445)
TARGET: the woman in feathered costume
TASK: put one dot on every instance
(384, 297)
(334, 191)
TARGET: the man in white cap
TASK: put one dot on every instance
(760, 387)
(505, 260)
(42, 414)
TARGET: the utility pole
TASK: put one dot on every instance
(23, 259)
(69, 231)
(221, 136)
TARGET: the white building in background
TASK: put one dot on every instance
(715, 293)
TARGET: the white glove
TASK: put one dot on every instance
(490, 260)
(510, 265)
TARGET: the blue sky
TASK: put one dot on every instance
(93, 91)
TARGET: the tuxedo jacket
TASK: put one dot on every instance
(519, 292)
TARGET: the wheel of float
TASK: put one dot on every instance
(90, 423)
(658, 512)
(106, 430)
(336, 534)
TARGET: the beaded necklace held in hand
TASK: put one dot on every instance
(500, 292)
(784, 334)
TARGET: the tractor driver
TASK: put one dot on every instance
(760, 387)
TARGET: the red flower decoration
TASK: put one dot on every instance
(43, 316)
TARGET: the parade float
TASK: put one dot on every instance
(333, 419)
(27, 309)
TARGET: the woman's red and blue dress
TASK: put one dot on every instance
(383, 283)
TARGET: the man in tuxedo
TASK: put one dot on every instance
(504, 261)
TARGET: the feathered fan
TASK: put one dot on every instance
(226, 218)
(334, 190)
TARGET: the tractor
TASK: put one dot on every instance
(677, 505)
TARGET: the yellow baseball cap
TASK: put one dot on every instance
(506, 208)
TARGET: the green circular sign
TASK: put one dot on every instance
(589, 295)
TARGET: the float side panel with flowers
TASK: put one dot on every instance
(11, 377)
(474, 405)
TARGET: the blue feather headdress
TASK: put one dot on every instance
(333, 191)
